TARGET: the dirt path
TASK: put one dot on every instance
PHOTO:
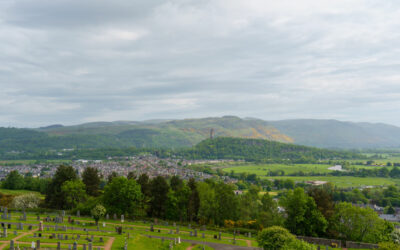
(109, 243)
(190, 247)
(248, 243)
(18, 237)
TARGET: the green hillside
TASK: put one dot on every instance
(260, 150)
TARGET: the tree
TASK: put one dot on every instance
(98, 212)
(14, 181)
(194, 200)
(91, 178)
(323, 198)
(144, 183)
(269, 214)
(123, 196)
(26, 201)
(131, 175)
(360, 224)
(54, 198)
(207, 208)
(176, 183)
(73, 192)
(226, 203)
(303, 216)
(112, 176)
(159, 190)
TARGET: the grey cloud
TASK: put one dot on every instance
(75, 61)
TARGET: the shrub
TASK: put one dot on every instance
(388, 246)
(275, 238)
(26, 201)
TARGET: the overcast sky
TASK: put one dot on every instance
(75, 61)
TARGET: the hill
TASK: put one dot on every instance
(189, 132)
(261, 150)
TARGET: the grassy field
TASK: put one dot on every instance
(343, 181)
(17, 192)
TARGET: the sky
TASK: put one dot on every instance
(73, 61)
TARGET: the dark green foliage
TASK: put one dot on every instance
(14, 180)
(303, 216)
(123, 196)
(158, 192)
(91, 178)
(194, 200)
(275, 238)
(259, 150)
(54, 197)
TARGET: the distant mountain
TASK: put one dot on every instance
(189, 132)
(339, 134)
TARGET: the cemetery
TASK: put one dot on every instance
(60, 230)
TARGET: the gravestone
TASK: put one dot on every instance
(38, 244)
(9, 226)
(63, 213)
(219, 235)
(78, 237)
(122, 218)
(24, 216)
(90, 246)
(41, 226)
(9, 215)
(177, 230)
(4, 215)
(203, 228)
(202, 235)
(170, 231)
(101, 239)
(151, 227)
(174, 224)
(191, 233)
(15, 233)
(20, 226)
(5, 232)
(115, 217)
(84, 247)
(69, 219)
(75, 247)
(190, 226)
(38, 218)
(58, 245)
(11, 244)
(107, 217)
(104, 224)
(66, 237)
(30, 227)
(78, 213)
(249, 234)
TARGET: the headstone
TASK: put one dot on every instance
(5, 232)
(15, 233)
(69, 247)
(179, 240)
(174, 224)
(38, 217)
(191, 233)
(34, 235)
(104, 224)
(151, 227)
(69, 219)
(78, 213)
(75, 247)
(219, 235)
(78, 237)
(101, 239)
(202, 235)
(107, 217)
(177, 230)
(122, 218)
(9, 215)
(203, 228)
(190, 226)
(41, 226)
(9, 226)
(33, 245)
(90, 246)
(58, 245)
(92, 238)
(24, 216)
(115, 217)
(11, 244)
(20, 226)
(66, 237)
(249, 234)
(30, 227)
(84, 247)
(63, 213)
(4, 215)
(195, 233)
(38, 244)
(170, 231)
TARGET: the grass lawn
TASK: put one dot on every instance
(343, 181)
(17, 192)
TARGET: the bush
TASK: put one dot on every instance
(275, 238)
(388, 246)
(26, 201)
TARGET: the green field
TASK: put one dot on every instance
(262, 170)
(343, 181)
(17, 192)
